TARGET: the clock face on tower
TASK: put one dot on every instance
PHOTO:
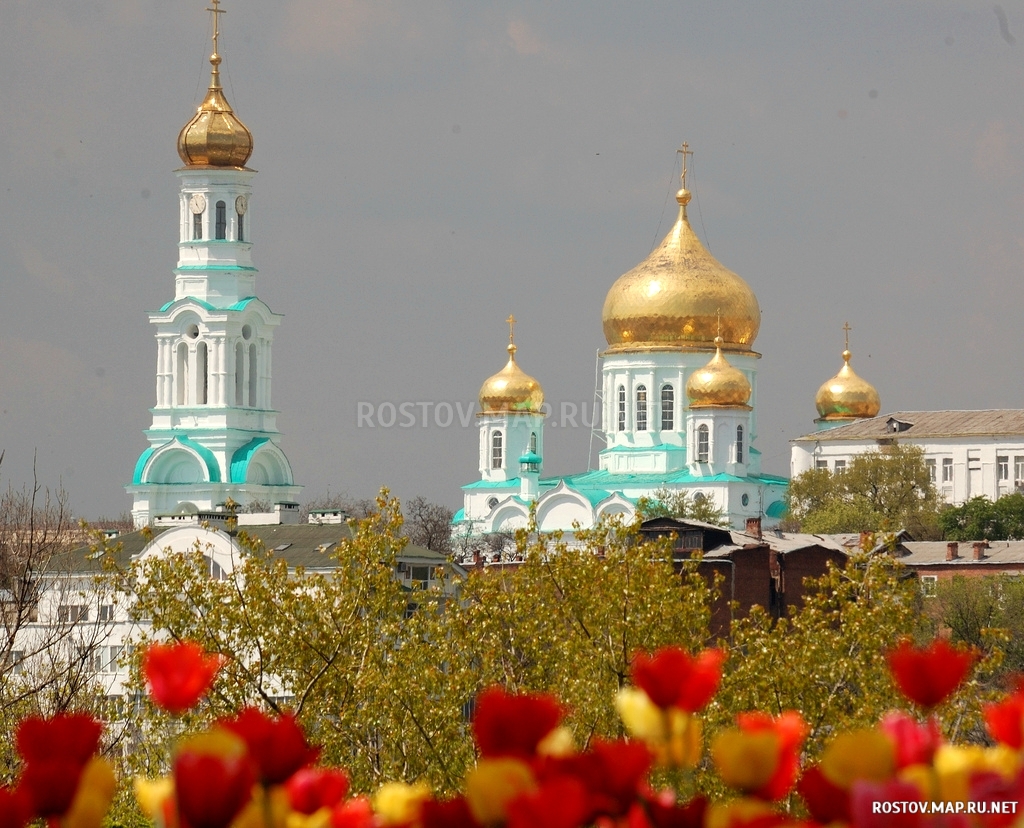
(241, 205)
(197, 203)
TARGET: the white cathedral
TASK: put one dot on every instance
(679, 394)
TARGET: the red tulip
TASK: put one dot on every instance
(355, 813)
(179, 674)
(673, 678)
(559, 803)
(55, 751)
(511, 725)
(826, 801)
(790, 730)
(928, 675)
(15, 808)
(213, 779)
(277, 746)
(915, 743)
(662, 811)
(613, 773)
(1005, 720)
(310, 789)
(450, 813)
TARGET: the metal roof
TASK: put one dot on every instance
(991, 422)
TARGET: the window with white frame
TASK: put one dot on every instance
(72, 613)
(739, 444)
(703, 444)
(929, 585)
(1002, 467)
(947, 469)
(621, 420)
(929, 464)
(668, 401)
(641, 408)
(821, 464)
(1018, 471)
(840, 466)
(106, 612)
(496, 450)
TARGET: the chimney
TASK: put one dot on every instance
(952, 551)
(754, 527)
(979, 550)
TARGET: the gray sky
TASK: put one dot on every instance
(428, 168)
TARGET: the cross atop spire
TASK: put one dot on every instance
(684, 150)
(216, 11)
(511, 329)
(847, 329)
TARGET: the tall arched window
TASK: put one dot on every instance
(533, 442)
(739, 444)
(668, 403)
(496, 452)
(181, 375)
(621, 424)
(252, 376)
(641, 408)
(197, 226)
(239, 374)
(703, 444)
(241, 226)
(222, 220)
(203, 373)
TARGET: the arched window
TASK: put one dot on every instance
(241, 226)
(621, 425)
(222, 220)
(496, 453)
(252, 376)
(703, 444)
(668, 402)
(197, 226)
(239, 374)
(533, 441)
(641, 408)
(739, 444)
(181, 375)
(203, 373)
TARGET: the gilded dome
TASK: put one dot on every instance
(672, 299)
(718, 383)
(511, 389)
(846, 396)
(215, 137)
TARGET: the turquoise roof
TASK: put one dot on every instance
(240, 459)
(631, 449)
(493, 484)
(530, 457)
(776, 509)
(215, 267)
(208, 458)
(459, 516)
(237, 306)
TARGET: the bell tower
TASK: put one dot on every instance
(214, 432)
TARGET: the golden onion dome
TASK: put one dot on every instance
(672, 299)
(215, 137)
(511, 389)
(718, 383)
(846, 396)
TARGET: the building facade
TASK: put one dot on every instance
(678, 414)
(214, 431)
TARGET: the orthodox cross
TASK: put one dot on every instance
(511, 329)
(216, 11)
(684, 150)
(847, 328)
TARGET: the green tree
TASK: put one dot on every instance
(885, 490)
(981, 519)
(681, 505)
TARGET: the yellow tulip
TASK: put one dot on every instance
(493, 784)
(859, 754)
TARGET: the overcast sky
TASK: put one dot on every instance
(427, 168)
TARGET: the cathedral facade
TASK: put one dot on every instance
(679, 393)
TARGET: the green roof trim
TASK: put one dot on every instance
(141, 464)
(776, 509)
(208, 456)
(646, 449)
(493, 484)
(193, 268)
(530, 457)
(237, 306)
(459, 516)
(240, 459)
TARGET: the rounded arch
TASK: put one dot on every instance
(181, 461)
(261, 461)
(509, 516)
(562, 507)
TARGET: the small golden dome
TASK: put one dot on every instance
(215, 137)
(718, 383)
(846, 396)
(511, 389)
(672, 298)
